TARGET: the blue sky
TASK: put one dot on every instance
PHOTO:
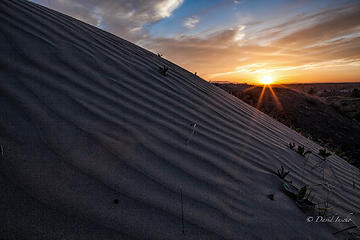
(220, 14)
(236, 40)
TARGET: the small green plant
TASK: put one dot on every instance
(325, 208)
(301, 193)
(322, 211)
(301, 150)
(164, 70)
(301, 197)
(291, 145)
(298, 129)
(324, 154)
(271, 196)
(281, 173)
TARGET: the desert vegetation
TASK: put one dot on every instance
(164, 70)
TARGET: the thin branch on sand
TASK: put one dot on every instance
(182, 211)
(2, 151)
(193, 125)
(345, 229)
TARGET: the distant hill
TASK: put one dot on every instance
(307, 114)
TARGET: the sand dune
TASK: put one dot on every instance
(87, 118)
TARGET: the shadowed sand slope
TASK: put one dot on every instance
(87, 118)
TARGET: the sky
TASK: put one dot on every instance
(298, 41)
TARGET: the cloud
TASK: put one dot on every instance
(327, 42)
(265, 68)
(121, 17)
(327, 39)
(239, 34)
(165, 8)
(344, 23)
(191, 22)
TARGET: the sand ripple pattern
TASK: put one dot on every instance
(86, 118)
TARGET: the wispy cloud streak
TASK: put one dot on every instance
(285, 45)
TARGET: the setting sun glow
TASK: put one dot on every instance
(267, 80)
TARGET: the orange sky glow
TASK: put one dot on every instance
(294, 41)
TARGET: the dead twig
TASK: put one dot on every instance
(2, 151)
(193, 125)
(182, 211)
(345, 229)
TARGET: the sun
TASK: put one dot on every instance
(266, 80)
